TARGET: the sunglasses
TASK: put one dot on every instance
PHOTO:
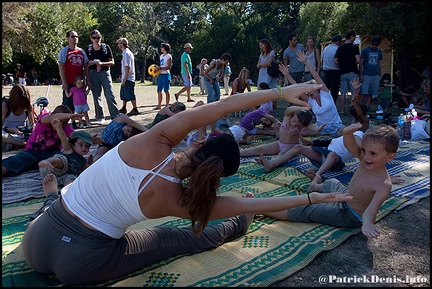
(74, 36)
(95, 37)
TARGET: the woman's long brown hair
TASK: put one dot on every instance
(199, 196)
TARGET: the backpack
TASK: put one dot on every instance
(104, 48)
(273, 68)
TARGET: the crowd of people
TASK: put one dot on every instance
(141, 177)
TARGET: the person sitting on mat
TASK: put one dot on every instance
(296, 118)
(83, 237)
(370, 185)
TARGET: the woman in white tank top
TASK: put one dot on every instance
(328, 121)
(81, 237)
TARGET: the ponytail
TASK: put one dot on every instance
(200, 196)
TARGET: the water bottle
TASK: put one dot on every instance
(400, 123)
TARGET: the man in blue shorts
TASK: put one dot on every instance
(186, 72)
(127, 88)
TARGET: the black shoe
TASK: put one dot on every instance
(133, 112)
(176, 96)
(74, 125)
(190, 100)
(122, 110)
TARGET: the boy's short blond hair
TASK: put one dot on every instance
(385, 135)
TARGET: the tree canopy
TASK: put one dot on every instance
(34, 32)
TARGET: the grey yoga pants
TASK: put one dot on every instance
(57, 243)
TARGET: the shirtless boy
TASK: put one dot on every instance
(379, 146)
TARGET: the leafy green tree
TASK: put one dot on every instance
(43, 27)
(406, 23)
(322, 20)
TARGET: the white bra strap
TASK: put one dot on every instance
(154, 174)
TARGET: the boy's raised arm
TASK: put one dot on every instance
(349, 139)
(57, 124)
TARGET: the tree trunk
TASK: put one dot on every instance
(406, 76)
(46, 70)
(144, 70)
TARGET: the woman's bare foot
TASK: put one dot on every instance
(311, 175)
(49, 184)
(315, 184)
(264, 162)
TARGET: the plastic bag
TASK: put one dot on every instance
(418, 130)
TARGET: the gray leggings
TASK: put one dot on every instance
(56, 243)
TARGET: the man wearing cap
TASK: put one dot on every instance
(186, 72)
(127, 88)
(72, 61)
(330, 68)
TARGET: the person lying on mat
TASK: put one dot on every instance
(370, 185)
(119, 129)
(83, 237)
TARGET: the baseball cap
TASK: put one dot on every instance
(82, 135)
(225, 147)
(188, 45)
(337, 38)
(123, 40)
(237, 132)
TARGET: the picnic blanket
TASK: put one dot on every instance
(271, 250)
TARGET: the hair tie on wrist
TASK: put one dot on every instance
(310, 203)
(281, 93)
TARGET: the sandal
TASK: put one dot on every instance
(51, 198)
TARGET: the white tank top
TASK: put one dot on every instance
(14, 120)
(327, 112)
(337, 146)
(105, 195)
(311, 60)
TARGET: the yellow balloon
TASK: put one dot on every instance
(152, 70)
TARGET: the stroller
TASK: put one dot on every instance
(8, 79)
(42, 102)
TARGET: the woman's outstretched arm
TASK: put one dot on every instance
(179, 125)
(228, 206)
